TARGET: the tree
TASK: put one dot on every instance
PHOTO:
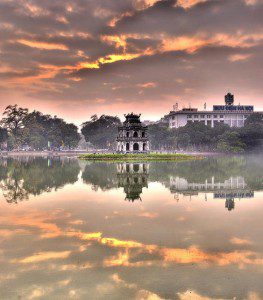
(3, 136)
(252, 133)
(70, 135)
(230, 142)
(101, 132)
(160, 136)
(14, 118)
(39, 129)
(13, 121)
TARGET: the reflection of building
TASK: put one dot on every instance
(133, 177)
(132, 135)
(181, 184)
(232, 115)
(230, 189)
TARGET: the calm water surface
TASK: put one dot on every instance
(71, 229)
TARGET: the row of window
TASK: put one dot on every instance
(233, 123)
(129, 134)
(214, 116)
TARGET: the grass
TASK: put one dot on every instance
(138, 157)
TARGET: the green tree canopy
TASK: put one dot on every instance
(101, 132)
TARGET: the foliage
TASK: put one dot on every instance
(101, 132)
(22, 178)
(160, 136)
(198, 136)
(3, 136)
(13, 122)
(34, 130)
(230, 142)
(138, 157)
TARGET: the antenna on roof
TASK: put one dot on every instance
(175, 107)
(205, 106)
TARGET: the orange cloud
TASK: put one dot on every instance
(238, 57)
(238, 241)
(118, 41)
(188, 3)
(43, 45)
(183, 43)
(43, 256)
(147, 85)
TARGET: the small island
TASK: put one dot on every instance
(138, 157)
(133, 145)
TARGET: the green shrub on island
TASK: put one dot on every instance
(138, 156)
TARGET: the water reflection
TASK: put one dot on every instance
(228, 178)
(133, 177)
(20, 178)
(80, 240)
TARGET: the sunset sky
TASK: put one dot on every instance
(76, 58)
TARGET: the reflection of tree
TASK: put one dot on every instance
(101, 175)
(13, 190)
(34, 176)
(133, 177)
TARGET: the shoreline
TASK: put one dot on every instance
(138, 157)
(42, 153)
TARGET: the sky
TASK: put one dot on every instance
(76, 58)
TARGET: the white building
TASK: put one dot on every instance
(232, 115)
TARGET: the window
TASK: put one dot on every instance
(196, 116)
(208, 116)
(215, 116)
(221, 116)
(189, 116)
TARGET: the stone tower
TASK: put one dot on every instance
(132, 135)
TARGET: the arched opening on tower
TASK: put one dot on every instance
(127, 147)
(135, 134)
(127, 134)
(135, 146)
(144, 147)
(143, 134)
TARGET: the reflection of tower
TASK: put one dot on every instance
(230, 203)
(133, 177)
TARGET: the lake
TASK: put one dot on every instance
(72, 229)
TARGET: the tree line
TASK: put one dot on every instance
(34, 130)
(102, 132)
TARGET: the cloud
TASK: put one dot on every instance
(77, 52)
(43, 256)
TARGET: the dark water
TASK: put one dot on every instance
(78, 230)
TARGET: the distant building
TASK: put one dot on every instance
(132, 135)
(232, 115)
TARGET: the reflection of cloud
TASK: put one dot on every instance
(128, 251)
